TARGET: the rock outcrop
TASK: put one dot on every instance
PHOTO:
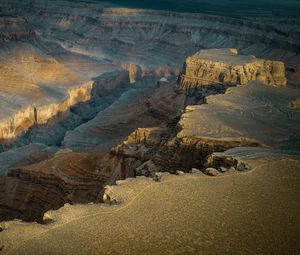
(225, 67)
(28, 192)
(25, 155)
(295, 104)
(239, 118)
(20, 121)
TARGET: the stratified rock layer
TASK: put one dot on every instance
(226, 67)
(27, 192)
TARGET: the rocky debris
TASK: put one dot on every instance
(221, 162)
(157, 177)
(195, 171)
(47, 218)
(186, 153)
(224, 169)
(211, 171)
(148, 168)
(178, 172)
(295, 104)
(108, 196)
(224, 67)
(242, 166)
(106, 199)
(225, 163)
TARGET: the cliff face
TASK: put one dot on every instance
(27, 192)
(225, 67)
(11, 127)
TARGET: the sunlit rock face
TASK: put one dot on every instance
(35, 88)
(226, 67)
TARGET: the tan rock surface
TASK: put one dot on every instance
(256, 113)
(35, 88)
(226, 67)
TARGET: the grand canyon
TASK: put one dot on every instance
(162, 127)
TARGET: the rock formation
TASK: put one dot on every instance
(295, 104)
(225, 67)
(245, 114)
(27, 192)
(145, 105)
(97, 85)
(25, 155)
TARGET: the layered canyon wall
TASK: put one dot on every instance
(225, 67)
(11, 127)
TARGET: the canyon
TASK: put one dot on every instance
(99, 103)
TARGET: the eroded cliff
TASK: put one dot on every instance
(225, 67)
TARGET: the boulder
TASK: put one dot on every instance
(211, 171)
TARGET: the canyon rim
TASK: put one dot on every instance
(138, 127)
